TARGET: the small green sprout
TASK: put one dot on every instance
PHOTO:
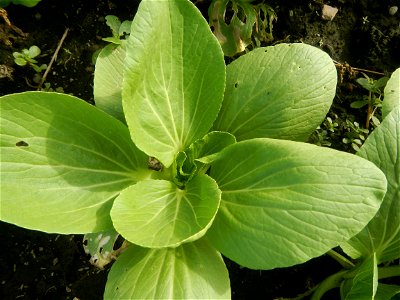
(355, 135)
(27, 57)
(118, 29)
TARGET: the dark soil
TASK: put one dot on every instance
(35, 265)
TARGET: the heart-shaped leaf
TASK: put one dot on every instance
(156, 213)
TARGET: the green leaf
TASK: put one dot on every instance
(282, 91)
(34, 51)
(206, 149)
(366, 83)
(27, 3)
(20, 61)
(125, 28)
(382, 235)
(285, 202)
(364, 283)
(115, 40)
(63, 162)
(380, 83)
(392, 93)
(108, 76)
(100, 246)
(156, 213)
(387, 292)
(191, 271)
(114, 23)
(174, 80)
(233, 34)
(359, 104)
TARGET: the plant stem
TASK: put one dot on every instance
(343, 261)
(329, 283)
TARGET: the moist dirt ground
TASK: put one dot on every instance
(34, 265)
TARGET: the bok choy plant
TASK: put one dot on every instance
(187, 159)
(376, 248)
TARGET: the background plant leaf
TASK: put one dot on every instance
(192, 271)
(156, 213)
(284, 202)
(282, 91)
(387, 292)
(382, 235)
(63, 162)
(174, 79)
(108, 76)
(392, 93)
(233, 34)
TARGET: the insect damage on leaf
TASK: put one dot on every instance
(155, 164)
(21, 144)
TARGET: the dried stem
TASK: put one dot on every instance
(54, 57)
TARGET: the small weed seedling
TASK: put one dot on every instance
(119, 30)
(186, 159)
(27, 57)
(373, 100)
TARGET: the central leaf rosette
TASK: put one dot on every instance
(173, 88)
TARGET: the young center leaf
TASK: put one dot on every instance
(174, 78)
(156, 213)
(63, 162)
(284, 202)
(108, 80)
(283, 91)
(192, 271)
(382, 235)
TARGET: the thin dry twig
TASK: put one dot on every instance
(54, 57)
(4, 15)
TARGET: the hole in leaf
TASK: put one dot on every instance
(236, 85)
(21, 144)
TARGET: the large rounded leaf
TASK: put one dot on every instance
(282, 91)
(174, 80)
(392, 93)
(191, 271)
(108, 80)
(382, 235)
(284, 202)
(63, 161)
(156, 213)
